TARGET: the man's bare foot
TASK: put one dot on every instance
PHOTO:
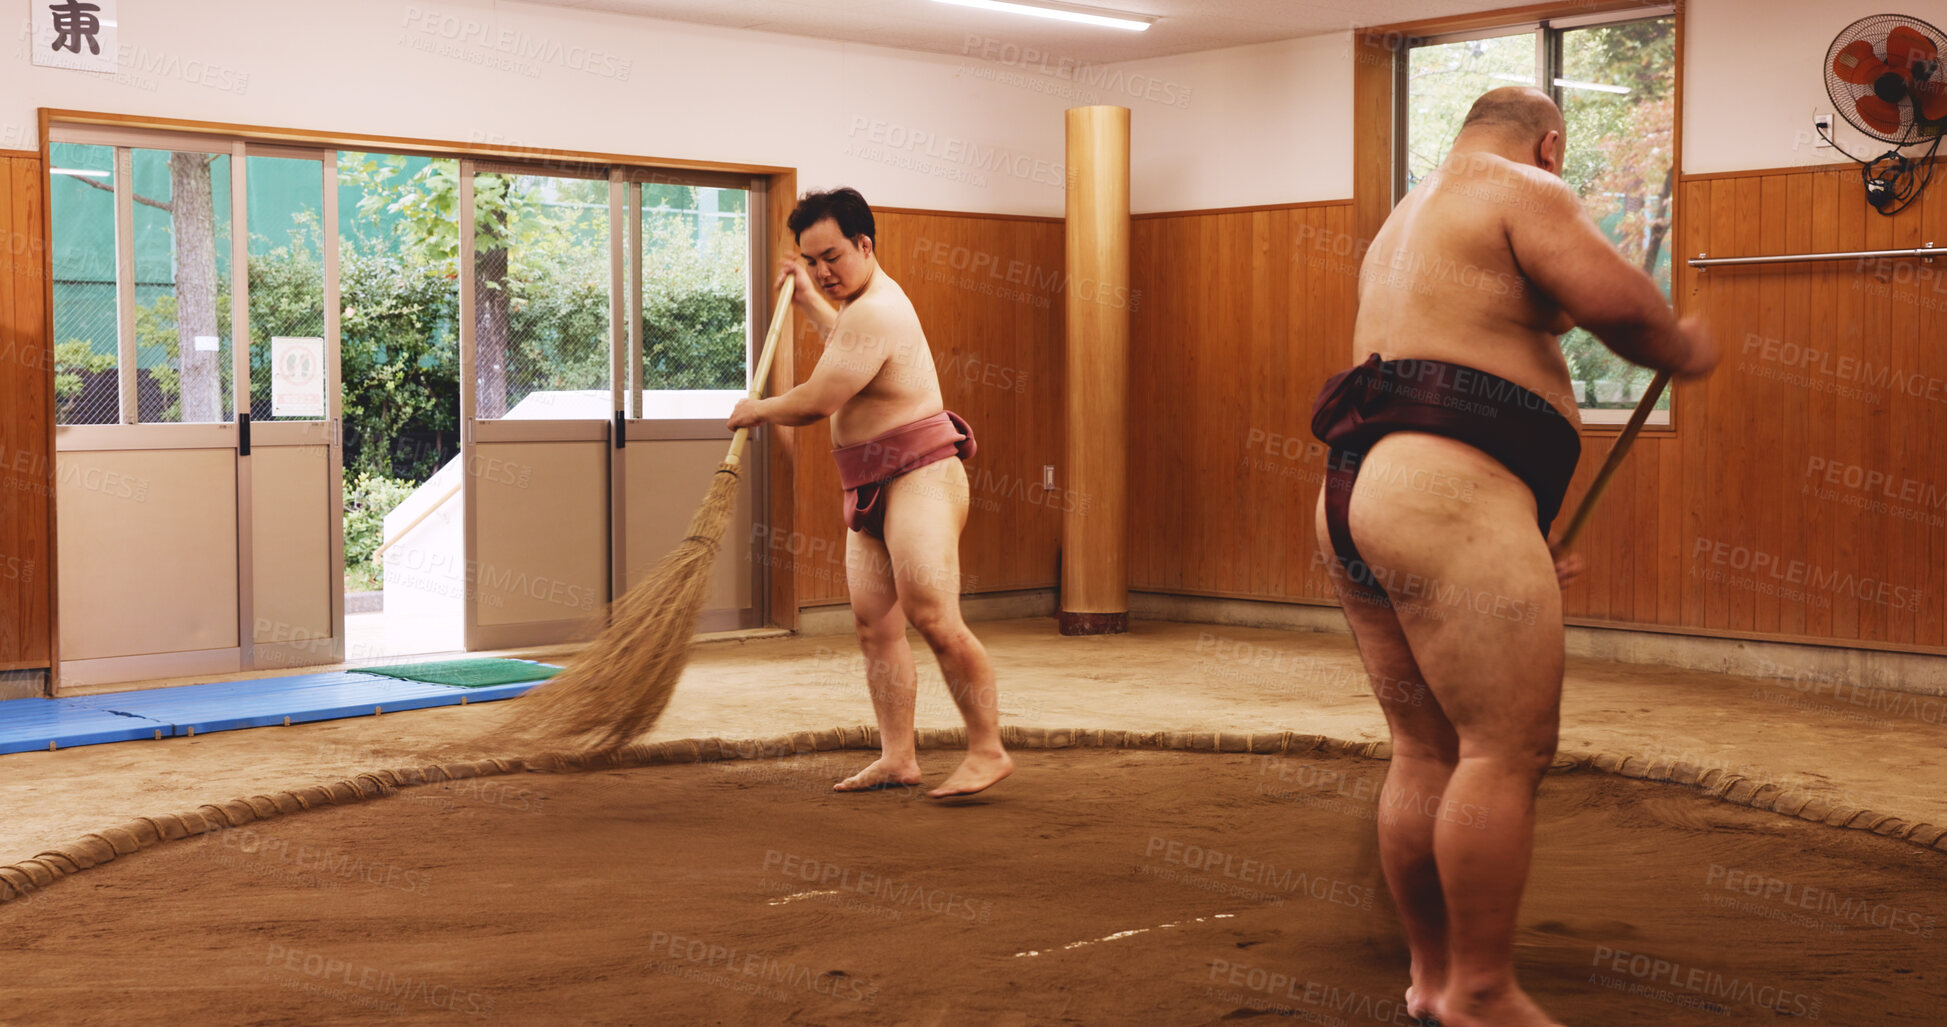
(977, 771)
(1509, 1007)
(1425, 992)
(883, 773)
(1421, 1010)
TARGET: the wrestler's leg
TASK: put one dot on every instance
(889, 672)
(1452, 535)
(1425, 749)
(925, 511)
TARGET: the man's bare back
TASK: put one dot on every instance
(1440, 281)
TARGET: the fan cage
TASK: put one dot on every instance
(1874, 29)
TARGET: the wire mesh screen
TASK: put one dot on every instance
(541, 301)
(81, 198)
(695, 288)
(288, 380)
(184, 371)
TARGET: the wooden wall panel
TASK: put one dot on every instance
(1727, 525)
(989, 295)
(26, 465)
(1245, 314)
(1713, 527)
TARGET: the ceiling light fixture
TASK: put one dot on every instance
(1081, 15)
(1596, 86)
(1528, 80)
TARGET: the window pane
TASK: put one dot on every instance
(81, 198)
(695, 299)
(1444, 80)
(398, 334)
(182, 286)
(541, 275)
(286, 205)
(1617, 89)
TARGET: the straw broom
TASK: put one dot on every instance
(612, 691)
(1613, 461)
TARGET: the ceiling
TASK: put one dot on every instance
(1184, 26)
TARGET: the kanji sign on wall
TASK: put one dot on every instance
(77, 34)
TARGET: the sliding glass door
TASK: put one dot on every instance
(608, 327)
(605, 321)
(196, 379)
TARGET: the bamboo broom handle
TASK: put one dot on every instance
(778, 313)
(1614, 460)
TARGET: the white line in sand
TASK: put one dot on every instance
(800, 895)
(1123, 934)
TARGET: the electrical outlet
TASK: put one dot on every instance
(1822, 125)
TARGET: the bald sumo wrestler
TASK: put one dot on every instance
(1451, 444)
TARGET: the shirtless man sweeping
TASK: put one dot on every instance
(1450, 443)
(906, 501)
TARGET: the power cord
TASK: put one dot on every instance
(1889, 177)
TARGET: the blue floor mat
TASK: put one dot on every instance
(32, 724)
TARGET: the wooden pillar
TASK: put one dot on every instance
(27, 625)
(1095, 528)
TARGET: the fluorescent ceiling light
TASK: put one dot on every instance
(1528, 80)
(1082, 15)
(77, 173)
(1618, 90)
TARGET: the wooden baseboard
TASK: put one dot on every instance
(1614, 625)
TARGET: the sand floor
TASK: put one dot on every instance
(1102, 887)
(1881, 751)
(1878, 750)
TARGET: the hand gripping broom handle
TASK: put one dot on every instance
(778, 313)
(1615, 459)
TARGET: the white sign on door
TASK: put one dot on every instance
(297, 378)
(78, 34)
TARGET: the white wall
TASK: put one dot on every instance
(1249, 125)
(1754, 76)
(982, 131)
(1273, 123)
(938, 131)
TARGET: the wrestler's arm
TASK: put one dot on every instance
(854, 352)
(804, 295)
(1560, 250)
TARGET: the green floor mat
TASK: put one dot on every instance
(477, 673)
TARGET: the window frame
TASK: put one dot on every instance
(1548, 34)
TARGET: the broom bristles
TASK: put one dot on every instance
(613, 691)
